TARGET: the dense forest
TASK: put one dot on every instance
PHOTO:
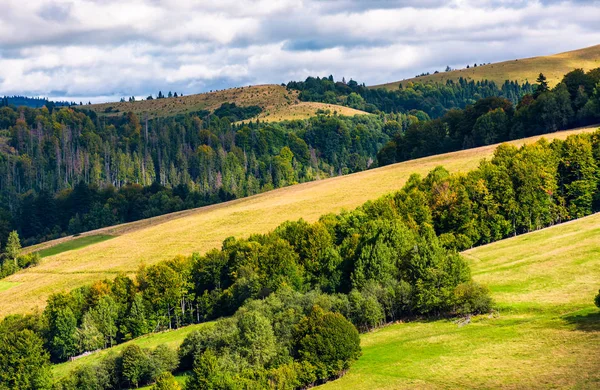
(434, 99)
(31, 102)
(575, 101)
(66, 171)
(390, 259)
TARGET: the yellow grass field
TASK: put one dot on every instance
(304, 110)
(554, 67)
(277, 103)
(546, 333)
(160, 238)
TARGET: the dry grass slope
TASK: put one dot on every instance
(153, 240)
(276, 101)
(554, 67)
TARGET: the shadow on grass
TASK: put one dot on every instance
(587, 321)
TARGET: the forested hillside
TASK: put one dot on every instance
(575, 101)
(390, 259)
(69, 171)
(432, 99)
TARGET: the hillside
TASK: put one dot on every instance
(546, 333)
(199, 230)
(276, 101)
(544, 304)
(172, 338)
(554, 67)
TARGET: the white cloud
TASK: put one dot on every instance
(108, 48)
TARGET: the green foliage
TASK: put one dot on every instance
(327, 341)
(134, 365)
(166, 381)
(597, 299)
(12, 249)
(202, 159)
(472, 298)
(573, 102)
(206, 374)
(61, 335)
(422, 99)
(24, 364)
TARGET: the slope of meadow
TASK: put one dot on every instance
(161, 238)
(546, 333)
(554, 67)
(277, 103)
(172, 338)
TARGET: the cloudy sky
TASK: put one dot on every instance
(100, 50)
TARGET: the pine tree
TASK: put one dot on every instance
(542, 85)
(13, 247)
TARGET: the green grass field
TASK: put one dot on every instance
(554, 68)
(545, 335)
(77, 243)
(6, 285)
(161, 238)
(172, 338)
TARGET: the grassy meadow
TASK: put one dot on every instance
(554, 67)
(276, 101)
(76, 243)
(172, 338)
(150, 241)
(546, 333)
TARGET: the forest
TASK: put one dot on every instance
(575, 101)
(68, 171)
(290, 298)
(433, 99)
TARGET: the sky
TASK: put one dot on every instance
(101, 50)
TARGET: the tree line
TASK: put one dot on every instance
(575, 101)
(433, 99)
(392, 258)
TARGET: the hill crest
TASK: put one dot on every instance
(554, 67)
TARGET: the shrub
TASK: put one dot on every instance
(597, 299)
(328, 341)
(166, 381)
(472, 298)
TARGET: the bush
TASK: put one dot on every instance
(597, 299)
(328, 341)
(472, 298)
(166, 381)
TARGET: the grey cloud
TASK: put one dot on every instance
(57, 12)
(173, 49)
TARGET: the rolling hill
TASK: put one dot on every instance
(277, 103)
(160, 238)
(546, 333)
(554, 67)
